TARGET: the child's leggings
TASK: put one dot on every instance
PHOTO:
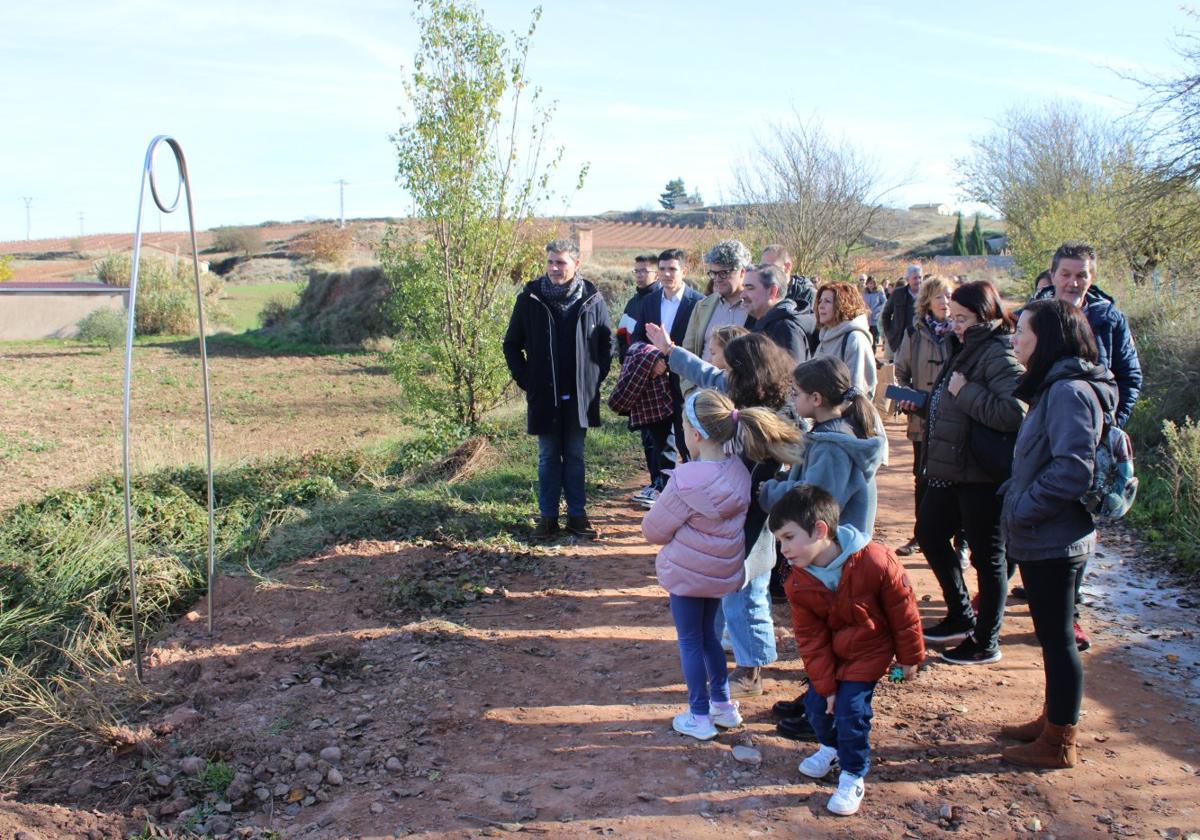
(700, 651)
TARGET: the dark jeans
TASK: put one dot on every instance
(848, 728)
(1050, 588)
(561, 469)
(700, 652)
(654, 444)
(974, 508)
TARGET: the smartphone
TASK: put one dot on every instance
(901, 394)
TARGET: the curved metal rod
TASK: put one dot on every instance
(184, 189)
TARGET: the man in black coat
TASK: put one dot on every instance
(901, 309)
(670, 307)
(774, 315)
(645, 279)
(559, 347)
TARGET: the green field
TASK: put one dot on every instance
(243, 302)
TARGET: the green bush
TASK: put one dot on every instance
(166, 303)
(103, 326)
(5, 268)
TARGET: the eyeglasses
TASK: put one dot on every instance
(643, 271)
(723, 274)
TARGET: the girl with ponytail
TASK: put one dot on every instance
(698, 520)
(845, 448)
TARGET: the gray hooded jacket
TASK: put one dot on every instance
(1053, 462)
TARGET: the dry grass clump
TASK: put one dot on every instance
(470, 458)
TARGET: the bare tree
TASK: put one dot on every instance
(809, 192)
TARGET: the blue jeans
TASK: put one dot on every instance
(848, 728)
(747, 614)
(700, 651)
(560, 470)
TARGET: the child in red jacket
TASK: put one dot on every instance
(853, 611)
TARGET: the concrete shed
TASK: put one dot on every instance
(32, 311)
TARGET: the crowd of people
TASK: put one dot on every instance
(756, 406)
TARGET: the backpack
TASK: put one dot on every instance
(1114, 486)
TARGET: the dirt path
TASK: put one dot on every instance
(546, 706)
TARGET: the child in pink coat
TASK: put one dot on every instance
(698, 520)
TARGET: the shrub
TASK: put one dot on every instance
(325, 244)
(166, 301)
(5, 268)
(237, 240)
(103, 326)
(274, 312)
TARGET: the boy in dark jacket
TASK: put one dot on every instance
(853, 611)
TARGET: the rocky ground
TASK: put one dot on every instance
(542, 706)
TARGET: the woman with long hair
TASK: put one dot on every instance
(973, 405)
(918, 362)
(845, 333)
(1049, 531)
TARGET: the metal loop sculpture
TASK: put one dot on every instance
(184, 189)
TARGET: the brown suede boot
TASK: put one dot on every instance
(1025, 731)
(1054, 749)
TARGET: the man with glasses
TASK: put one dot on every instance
(645, 279)
(900, 311)
(726, 264)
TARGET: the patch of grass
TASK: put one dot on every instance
(216, 777)
(244, 302)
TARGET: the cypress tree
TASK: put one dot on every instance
(975, 244)
(958, 244)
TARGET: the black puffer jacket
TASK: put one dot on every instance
(784, 324)
(986, 359)
(530, 345)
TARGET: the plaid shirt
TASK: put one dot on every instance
(645, 398)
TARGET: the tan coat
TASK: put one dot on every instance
(918, 363)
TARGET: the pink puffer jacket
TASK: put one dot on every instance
(698, 521)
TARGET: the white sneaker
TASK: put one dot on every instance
(641, 494)
(649, 497)
(688, 724)
(848, 797)
(728, 718)
(818, 765)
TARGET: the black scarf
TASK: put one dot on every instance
(560, 298)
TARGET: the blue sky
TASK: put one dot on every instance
(274, 102)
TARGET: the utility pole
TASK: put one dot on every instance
(341, 182)
(81, 223)
(28, 199)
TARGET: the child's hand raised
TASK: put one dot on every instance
(659, 338)
(660, 367)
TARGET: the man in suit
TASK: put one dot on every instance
(670, 307)
(901, 309)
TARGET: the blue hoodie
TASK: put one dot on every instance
(849, 540)
(842, 464)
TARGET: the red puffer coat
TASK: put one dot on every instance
(853, 632)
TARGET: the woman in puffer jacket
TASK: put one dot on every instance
(972, 405)
(1049, 531)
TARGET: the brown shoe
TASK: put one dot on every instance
(1054, 749)
(581, 527)
(547, 528)
(1026, 732)
(745, 682)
